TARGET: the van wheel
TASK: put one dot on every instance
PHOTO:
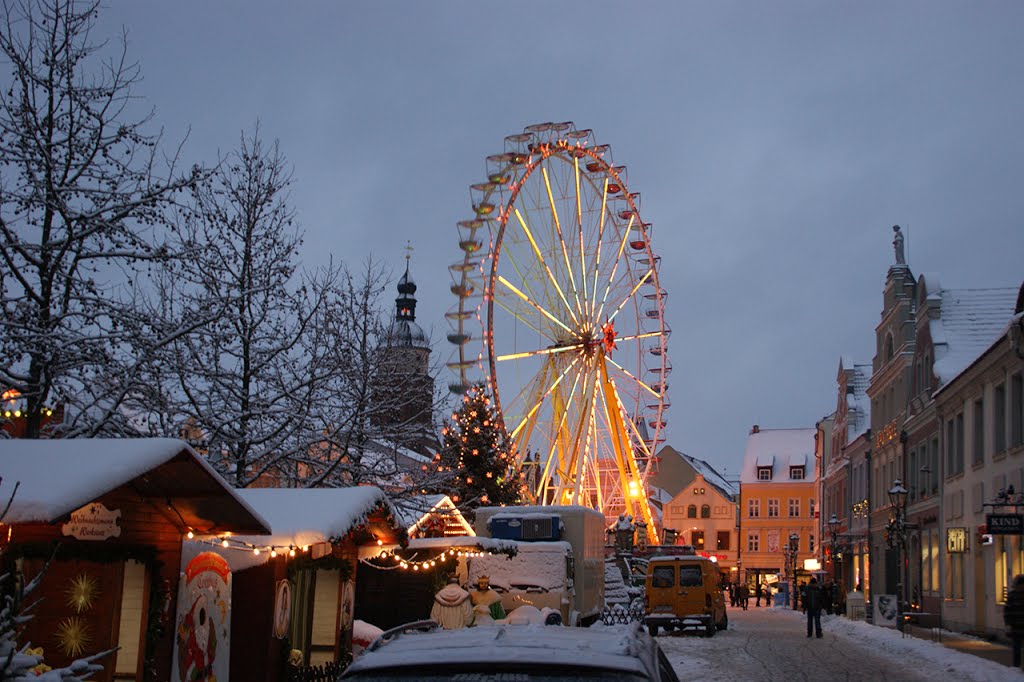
(724, 625)
(711, 630)
(653, 629)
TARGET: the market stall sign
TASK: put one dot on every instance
(93, 522)
(1004, 524)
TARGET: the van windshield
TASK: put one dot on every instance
(689, 576)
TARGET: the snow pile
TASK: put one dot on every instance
(615, 591)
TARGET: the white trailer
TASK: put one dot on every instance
(576, 532)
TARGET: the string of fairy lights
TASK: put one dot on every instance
(414, 565)
(394, 561)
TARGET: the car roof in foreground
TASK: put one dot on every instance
(610, 648)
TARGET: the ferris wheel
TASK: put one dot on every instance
(560, 313)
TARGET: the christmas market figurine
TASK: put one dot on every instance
(452, 608)
(486, 602)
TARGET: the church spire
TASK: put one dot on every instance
(406, 302)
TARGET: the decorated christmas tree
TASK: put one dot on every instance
(475, 452)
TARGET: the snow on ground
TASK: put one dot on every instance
(770, 644)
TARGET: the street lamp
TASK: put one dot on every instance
(833, 529)
(897, 530)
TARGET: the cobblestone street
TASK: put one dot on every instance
(772, 644)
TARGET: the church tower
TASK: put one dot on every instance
(407, 389)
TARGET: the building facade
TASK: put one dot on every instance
(778, 494)
(702, 511)
(850, 423)
(980, 408)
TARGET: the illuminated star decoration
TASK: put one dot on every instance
(82, 592)
(73, 636)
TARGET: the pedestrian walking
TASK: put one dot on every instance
(1013, 616)
(814, 601)
(758, 591)
(743, 595)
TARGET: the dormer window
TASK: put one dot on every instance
(764, 473)
(765, 465)
(797, 467)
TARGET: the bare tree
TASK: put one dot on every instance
(81, 212)
(247, 380)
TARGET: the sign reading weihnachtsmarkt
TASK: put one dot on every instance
(1004, 524)
(93, 522)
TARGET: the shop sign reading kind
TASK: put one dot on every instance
(93, 522)
(1005, 524)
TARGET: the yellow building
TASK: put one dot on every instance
(698, 507)
(778, 484)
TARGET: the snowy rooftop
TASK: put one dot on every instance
(306, 516)
(779, 447)
(711, 476)
(57, 477)
(971, 319)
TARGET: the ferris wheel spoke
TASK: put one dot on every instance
(540, 257)
(600, 239)
(527, 299)
(629, 296)
(541, 351)
(540, 401)
(615, 268)
(561, 239)
(638, 381)
(636, 337)
(519, 315)
(579, 225)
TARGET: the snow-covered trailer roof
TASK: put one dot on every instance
(56, 477)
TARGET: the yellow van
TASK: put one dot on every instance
(684, 592)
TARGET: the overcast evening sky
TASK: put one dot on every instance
(774, 144)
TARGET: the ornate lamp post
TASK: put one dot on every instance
(833, 529)
(897, 530)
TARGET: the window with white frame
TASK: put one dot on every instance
(754, 507)
(753, 541)
(794, 507)
(773, 507)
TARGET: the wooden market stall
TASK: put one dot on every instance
(294, 590)
(113, 514)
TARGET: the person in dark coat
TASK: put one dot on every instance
(1013, 616)
(758, 591)
(743, 595)
(814, 602)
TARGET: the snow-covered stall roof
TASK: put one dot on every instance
(56, 477)
(301, 518)
(970, 320)
(777, 446)
(305, 516)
